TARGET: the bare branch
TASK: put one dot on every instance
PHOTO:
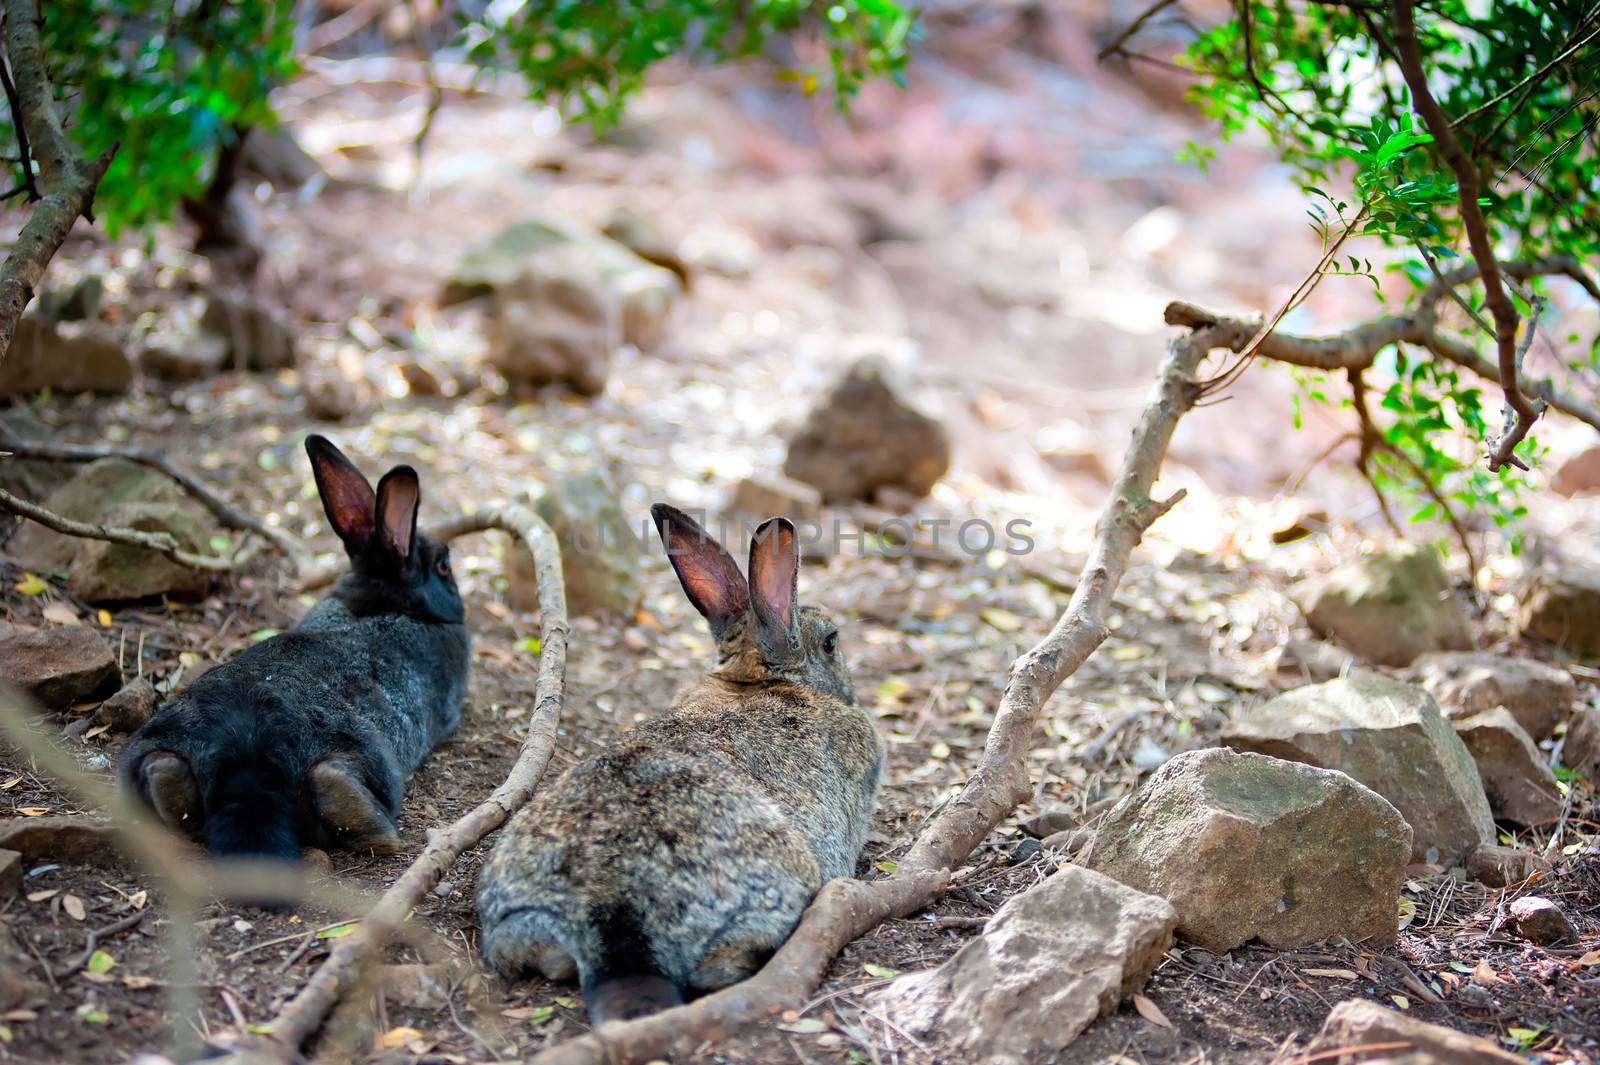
(846, 909)
(1132, 28)
(305, 1012)
(163, 543)
(66, 182)
(1467, 182)
(229, 515)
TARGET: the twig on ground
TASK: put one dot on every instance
(1522, 412)
(301, 1017)
(160, 541)
(65, 183)
(846, 909)
(95, 937)
(226, 513)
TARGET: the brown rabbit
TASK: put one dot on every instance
(683, 855)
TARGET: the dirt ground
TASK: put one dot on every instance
(1018, 215)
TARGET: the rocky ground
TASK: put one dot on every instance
(998, 243)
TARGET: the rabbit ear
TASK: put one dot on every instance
(398, 498)
(346, 496)
(774, 574)
(709, 575)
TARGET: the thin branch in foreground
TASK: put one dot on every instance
(66, 182)
(847, 909)
(161, 542)
(225, 512)
(25, 159)
(1523, 412)
(302, 1016)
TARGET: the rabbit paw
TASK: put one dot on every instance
(172, 791)
(355, 817)
(731, 962)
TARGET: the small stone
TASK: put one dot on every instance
(1518, 783)
(1389, 736)
(424, 377)
(425, 987)
(1539, 696)
(866, 435)
(1538, 920)
(1068, 843)
(58, 666)
(601, 555)
(77, 302)
(183, 357)
(130, 708)
(10, 873)
(1495, 866)
(1580, 751)
(67, 358)
(71, 840)
(443, 888)
(316, 861)
(1049, 822)
(258, 336)
(1026, 849)
(641, 235)
(767, 495)
(1049, 962)
(1327, 856)
(1388, 607)
(1359, 1023)
(1296, 520)
(335, 392)
(1562, 605)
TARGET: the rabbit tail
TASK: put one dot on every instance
(251, 813)
(627, 983)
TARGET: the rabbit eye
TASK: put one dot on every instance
(830, 644)
(442, 567)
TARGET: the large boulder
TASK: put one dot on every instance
(117, 492)
(866, 435)
(57, 667)
(1519, 785)
(75, 357)
(1327, 856)
(1464, 683)
(1388, 607)
(1389, 736)
(1358, 1023)
(559, 324)
(1562, 605)
(643, 292)
(1050, 961)
(600, 552)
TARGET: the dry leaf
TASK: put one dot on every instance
(92, 733)
(1407, 913)
(1150, 1012)
(804, 1026)
(1591, 958)
(61, 614)
(104, 618)
(8, 785)
(19, 1015)
(74, 907)
(40, 896)
(33, 811)
(1485, 976)
(397, 1037)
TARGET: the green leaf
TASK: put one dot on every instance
(100, 962)
(338, 931)
(31, 584)
(881, 972)
(540, 1015)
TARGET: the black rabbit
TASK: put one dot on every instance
(306, 739)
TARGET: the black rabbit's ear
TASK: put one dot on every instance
(709, 575)
(346, 496)
(774, 575)
(398, 498)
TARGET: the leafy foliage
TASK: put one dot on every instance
(1517, 77)
(591, 57)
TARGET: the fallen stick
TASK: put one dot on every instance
(304, 1014)
(161, 542)
(846, 909)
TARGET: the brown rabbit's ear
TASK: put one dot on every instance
(398, 498)
(774, 575)
(346, 496)
(709, 575)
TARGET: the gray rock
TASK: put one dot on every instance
(116, 492)
(1495, 866)
(643, 236)
(1541, 921)
(1467, 682)
(424, 987)
(183, 356)
(258, 336)
(130, 708)
(58, 666)
(1049, 822)
(31, 479)
(1050, 961)
(1359, 1022)
(1562, 605)
(70, 839)
(1327, 856)
(1387, 607)
(559, 324)
(1580, 751)
(765, 495)
(1519, 785)
(77, 302)
(867, 435)
(1389, 736)
(75, 357)
(600, 551)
